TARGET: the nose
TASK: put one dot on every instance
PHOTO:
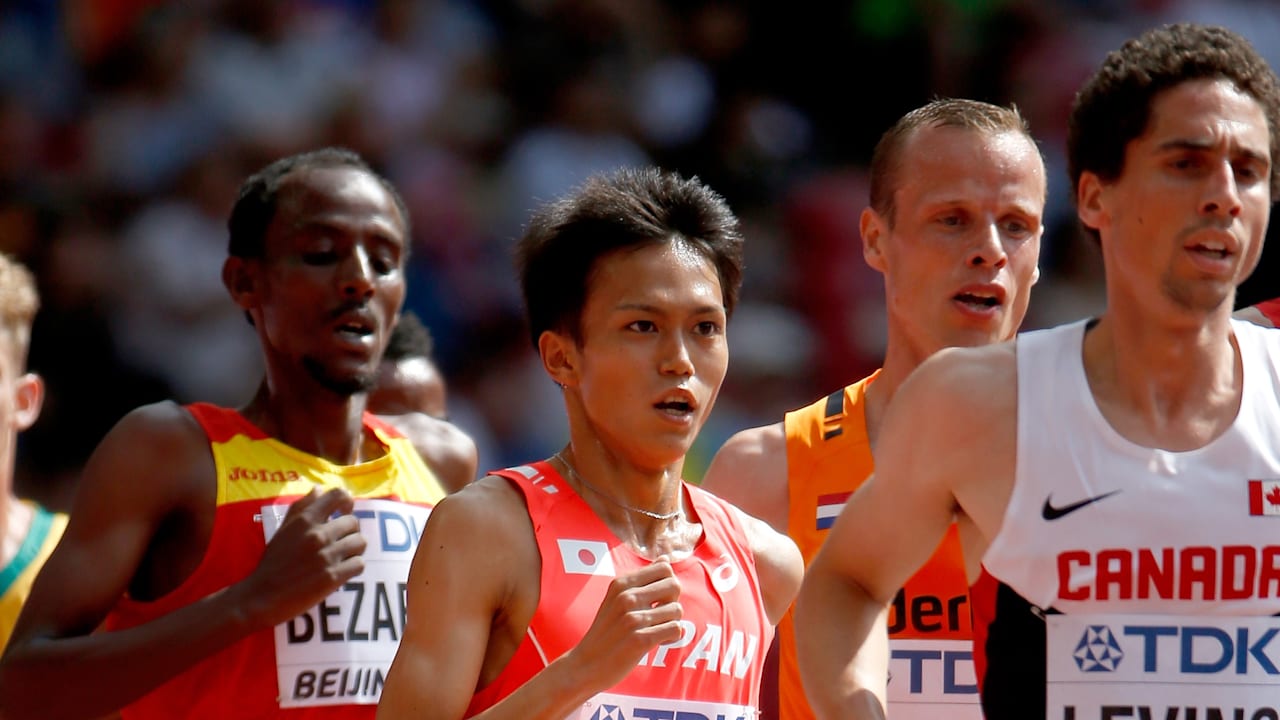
(988, 248)
(1222, 194)
(356, 274)
(675, 358)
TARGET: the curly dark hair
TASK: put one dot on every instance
(631, 207)
(1114, 106)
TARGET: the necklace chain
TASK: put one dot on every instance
(647, 513)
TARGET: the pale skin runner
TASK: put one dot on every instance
(958, 247)
(1181, 227)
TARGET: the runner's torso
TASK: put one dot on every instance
(1104, 538)
(712, 670)
(330, 661)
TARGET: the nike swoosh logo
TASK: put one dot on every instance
(1049, 512)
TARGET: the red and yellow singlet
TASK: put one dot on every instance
(330, 661)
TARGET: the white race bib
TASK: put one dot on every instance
(338, 652)
(1162, 667)
(610, 706)
(930, 679)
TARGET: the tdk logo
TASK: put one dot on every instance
(608, 712)
(1098, 650)
(614, 712)
(1181, 649)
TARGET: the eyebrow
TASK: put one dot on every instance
(1184, 144)
(644, 307)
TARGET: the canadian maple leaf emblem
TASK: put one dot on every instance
(1273, 497)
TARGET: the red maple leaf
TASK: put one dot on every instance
(1273, 497)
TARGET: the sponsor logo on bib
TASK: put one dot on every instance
(1171, 667)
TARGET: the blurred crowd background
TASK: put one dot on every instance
(126, 127)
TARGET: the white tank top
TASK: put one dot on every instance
(1128, 581)
(1099, 524)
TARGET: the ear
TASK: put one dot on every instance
(874, 229)
(1035, 276)
(28, 398)
(237, 277)
(560, 357)
(1091, 201)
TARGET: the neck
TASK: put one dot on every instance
(1173, 387)
(899, 362)
(15, 520)
(320, 424)
(645, 508)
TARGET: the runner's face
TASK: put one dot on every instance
(960, 257)
(653, 351)
(1184, 223)
(332, 276)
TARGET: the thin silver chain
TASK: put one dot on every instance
(647, 513)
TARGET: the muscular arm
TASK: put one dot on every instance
(750, 471)
(472, 593)
(945, 452)
(152, 468)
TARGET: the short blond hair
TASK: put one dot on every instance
(19, 301)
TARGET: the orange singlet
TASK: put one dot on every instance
(828, 457)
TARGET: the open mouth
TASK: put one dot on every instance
(980, 300)
(675, 407)
(355, 330)
(677, 404)
(1216, 250)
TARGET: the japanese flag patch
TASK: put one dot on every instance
(586, 557)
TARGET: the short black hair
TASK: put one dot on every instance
(256, 204)
(1114, 106)
(630, 207)
(410, 339)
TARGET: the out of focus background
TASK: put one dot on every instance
(126, 127)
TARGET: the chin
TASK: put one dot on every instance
(345, 384)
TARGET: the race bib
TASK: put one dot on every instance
(930, 679)
(338, 652)
(609, 706)
(1162, 667)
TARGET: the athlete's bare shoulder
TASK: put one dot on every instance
(750, 471)
(483, 532)
(968, 379)
(961, 407)
(448, 451)
(162, 436)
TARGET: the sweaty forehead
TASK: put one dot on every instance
(943, 164)
(312, 194)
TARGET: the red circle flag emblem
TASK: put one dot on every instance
(585, 557)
